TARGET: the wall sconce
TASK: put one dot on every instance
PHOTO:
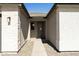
(9, 20)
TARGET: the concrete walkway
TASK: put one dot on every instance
(26, 50)
(35, 47)
(38, 48)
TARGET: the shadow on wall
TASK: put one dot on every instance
(44, 41)
(24, 28)
(0, 35)
(24, 24)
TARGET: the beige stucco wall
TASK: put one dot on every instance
(9, 35)
(24, 27)
(62, 27)
(52, 28)
(69, 27)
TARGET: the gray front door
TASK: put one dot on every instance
(38, 29)
(41, 29)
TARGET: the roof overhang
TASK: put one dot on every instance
(38, 14)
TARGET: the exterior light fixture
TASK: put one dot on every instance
(9, 20)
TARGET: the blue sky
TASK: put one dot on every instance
(38, 7)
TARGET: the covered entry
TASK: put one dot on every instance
(38, 29)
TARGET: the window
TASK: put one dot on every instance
(32, 26)
(0, 15)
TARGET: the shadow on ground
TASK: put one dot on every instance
(50, 44)
(52, 51)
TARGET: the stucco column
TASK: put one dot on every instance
(28, 38)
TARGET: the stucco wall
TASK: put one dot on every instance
(52, 28)
(69, 27)
(62, 27)
(24, 27)
(9, 37)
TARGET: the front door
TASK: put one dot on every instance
(41, 29)
(38, 29)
